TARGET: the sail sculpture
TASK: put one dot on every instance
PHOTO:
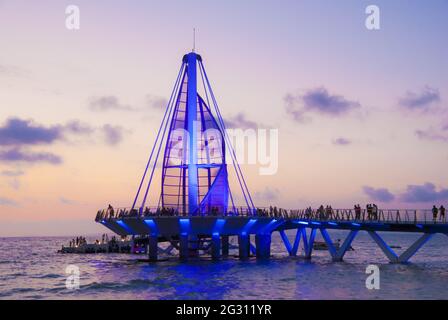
(194, 169)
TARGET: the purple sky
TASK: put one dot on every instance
(362, 115)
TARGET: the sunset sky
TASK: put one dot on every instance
(362, 115)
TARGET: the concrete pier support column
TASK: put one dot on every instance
(216, 247)
(263, 246)
(225, 245)
(153, 248)
(183, 246)
(244, 246)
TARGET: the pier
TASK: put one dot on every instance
(254, 232)
(194, 211)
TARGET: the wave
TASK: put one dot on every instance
(48, 276)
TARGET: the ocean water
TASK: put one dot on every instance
(31, 268)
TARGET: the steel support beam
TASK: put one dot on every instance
(292, 249)
(286, 241)
(338, 254)
(252, 248)
(192, 102)
(295, 246)
(168, 249)
(308, 243)
(390, 254)
(405, 256)
(329, 242)
(346, 245)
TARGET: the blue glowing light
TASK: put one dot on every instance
(184, 226)
(125, 226)
(356, 224)
(315, 223)
(332, 223)
(303, 222)
(152, 226)
(219, 225)
(248, 225)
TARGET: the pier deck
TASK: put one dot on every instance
(184, 231)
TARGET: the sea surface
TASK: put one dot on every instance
(31, 268)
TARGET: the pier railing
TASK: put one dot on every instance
(405, 216)
(397, 216)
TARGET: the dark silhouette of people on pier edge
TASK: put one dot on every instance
(371, 212)
(435, 211)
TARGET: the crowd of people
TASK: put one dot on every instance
(104, 239)
(370, 213)
(77, 242)
(111, 213)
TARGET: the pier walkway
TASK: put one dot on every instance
(185, 233)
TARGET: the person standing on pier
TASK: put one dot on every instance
(357, 212)
(434, 213)
(442, 213)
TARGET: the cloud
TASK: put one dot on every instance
(8, 202)
(113, 135)
(433, 134)
(11, 71)
(12, 177)
(79, 128)
(155, 102)
(18, 155)
(421, 100)
(18, 135)
(14, 183)
(380, 194)
(267, 194)
(25, 132)
(10, 173)
(239, 121)
(66, 201)
(19, 132)
(424, 193)
(318, 101)
(341, 141)
(108, 103)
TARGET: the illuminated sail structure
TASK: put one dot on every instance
(195, 176)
